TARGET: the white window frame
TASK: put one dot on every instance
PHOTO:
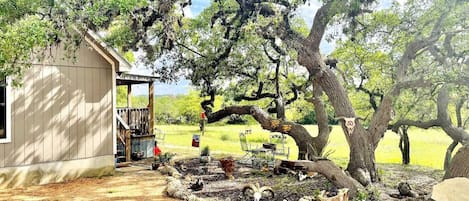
(8, 113)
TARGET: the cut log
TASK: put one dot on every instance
(327, 168)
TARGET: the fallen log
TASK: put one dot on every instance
(327, 168)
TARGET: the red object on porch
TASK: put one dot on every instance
(156, 151)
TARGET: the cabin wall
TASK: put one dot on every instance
(62, 112)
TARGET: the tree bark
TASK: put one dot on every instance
(455, 133)
(334, 174)
(361, 164)
(321, 118)
(459, 166)
(449, 153)
(459, 105)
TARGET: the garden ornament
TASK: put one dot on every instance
(349, 123)
(256, 192)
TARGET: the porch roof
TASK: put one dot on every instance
(129, 79)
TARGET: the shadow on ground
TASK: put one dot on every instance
(136, 182)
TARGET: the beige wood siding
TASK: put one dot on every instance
(63, 111)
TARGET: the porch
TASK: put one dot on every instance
(135, 137)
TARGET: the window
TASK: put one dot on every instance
(4, 112)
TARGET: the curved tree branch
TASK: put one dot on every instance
(299, 133)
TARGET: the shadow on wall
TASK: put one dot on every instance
(60, 113)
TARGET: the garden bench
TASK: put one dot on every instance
(252, 154)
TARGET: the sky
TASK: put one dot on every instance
(307, 12)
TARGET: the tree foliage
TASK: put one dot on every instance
(30, 27)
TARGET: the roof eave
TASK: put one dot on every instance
(122, 65)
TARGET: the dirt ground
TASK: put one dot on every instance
(136, 182)
(287, 187)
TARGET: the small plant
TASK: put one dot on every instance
(165, 157)
(205, 151)
(205, 155)
(361, 195)
(316, 193)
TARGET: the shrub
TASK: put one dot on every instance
(205, 151)
(165, 157)
(224, 137)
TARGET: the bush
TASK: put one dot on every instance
(205, 151)
(224, 137)
(309, 118)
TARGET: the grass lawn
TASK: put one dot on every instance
(427, 147)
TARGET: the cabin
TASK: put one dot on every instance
(60, 124)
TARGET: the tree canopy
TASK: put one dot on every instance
(406, 61)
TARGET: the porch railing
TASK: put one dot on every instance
(137, 119)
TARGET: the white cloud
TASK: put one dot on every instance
(307, 12)
(188, 12)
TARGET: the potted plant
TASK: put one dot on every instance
(163, 159)
(205, 155)
(228, 164)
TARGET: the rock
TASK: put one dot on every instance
(177, 190)
(197, 185)
(169, 170)
(342, 195)
(454, 189)
(173, 189)
(205, 159)
(405, 190)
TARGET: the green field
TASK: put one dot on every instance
(427, 146)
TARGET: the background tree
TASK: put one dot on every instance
(29, 28)
(231, 20)
(232, 23)
(421, 25)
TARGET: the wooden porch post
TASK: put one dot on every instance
(150, 107)
(129, 95)
(127, 145)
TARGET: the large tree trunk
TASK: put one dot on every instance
(361, 164)
(322, 120)
(459, 166)
(404, 145)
